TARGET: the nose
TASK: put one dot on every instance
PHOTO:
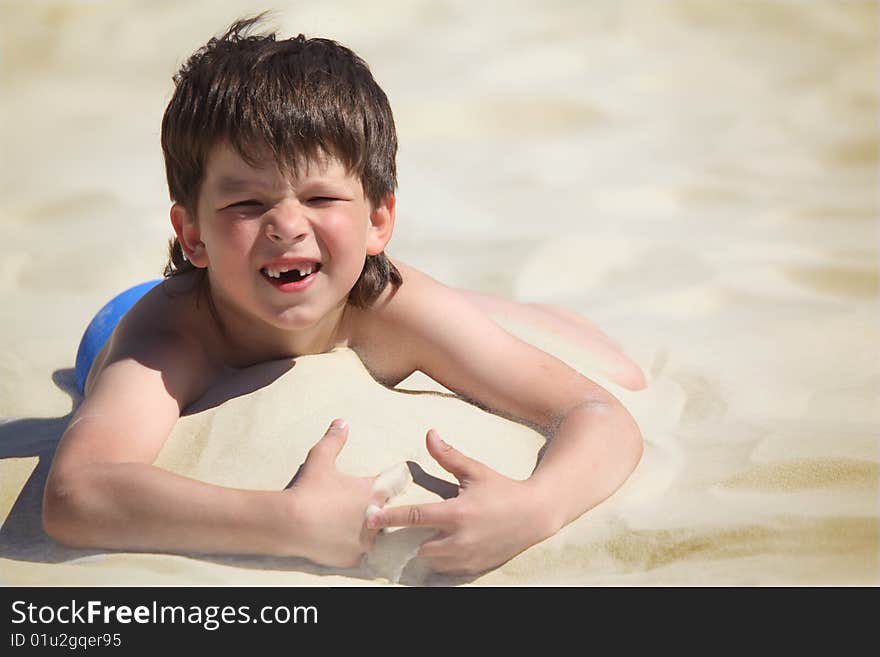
(287, 223)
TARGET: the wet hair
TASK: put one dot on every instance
(294, 99)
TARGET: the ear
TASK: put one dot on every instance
(381, 225)
(187, 231)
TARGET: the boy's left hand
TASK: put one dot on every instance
(492, 519)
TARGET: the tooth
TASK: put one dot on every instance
(302, 272)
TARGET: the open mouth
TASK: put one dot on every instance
(294, 275)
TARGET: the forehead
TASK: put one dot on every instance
(225, 169)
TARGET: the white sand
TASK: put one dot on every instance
(699, 178)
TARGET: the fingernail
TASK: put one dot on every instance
(338, 423)
(374, 520)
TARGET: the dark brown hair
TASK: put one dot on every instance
(296, 99)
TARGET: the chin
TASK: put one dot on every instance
(298, 319)
(294, 320)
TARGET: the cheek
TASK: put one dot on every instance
(231, 246)
(234, 233)
(345, 234)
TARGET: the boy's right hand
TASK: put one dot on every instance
(328, 524)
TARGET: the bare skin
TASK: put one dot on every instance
(103, 490)
(571, 326)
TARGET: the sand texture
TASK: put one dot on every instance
(699, 178)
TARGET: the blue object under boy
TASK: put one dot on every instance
(101, 327)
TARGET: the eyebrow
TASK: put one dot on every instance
(230, 184)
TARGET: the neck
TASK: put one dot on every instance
(250, 341)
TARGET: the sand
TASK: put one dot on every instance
(698, 178)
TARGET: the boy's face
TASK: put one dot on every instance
(253, 223)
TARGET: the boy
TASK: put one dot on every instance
(280, 158)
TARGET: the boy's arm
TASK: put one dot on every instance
(594, 443)
(102, 490)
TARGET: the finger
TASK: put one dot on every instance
(390, 483)
(453, 461)
(620, 367)
(367, 537)
(572, 319)
(630, 376)
(331, 443)
(437, 514)
(372, 510)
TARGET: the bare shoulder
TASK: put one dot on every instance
(386, 335)
(424, 308)
(419, 294)
(150, 369)
(427, 326)
(417, 324)
(164, 332)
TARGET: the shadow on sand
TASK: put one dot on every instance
(22, 537)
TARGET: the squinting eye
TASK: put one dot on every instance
(244, 204)
(322, 199)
